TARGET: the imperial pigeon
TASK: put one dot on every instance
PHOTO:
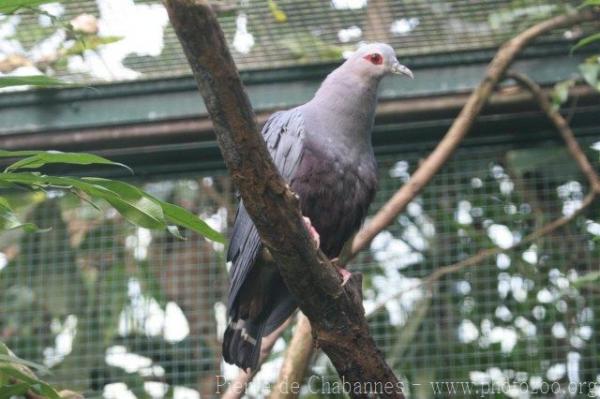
(323, 150)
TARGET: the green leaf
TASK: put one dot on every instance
(90, 43)
(560, 93)
(278, 13)
(591, 73)
(31, 80)
(135, 205)
(37, 159)
(17, 154)
(587, 279)
(588, 3)
(586, 41)
(185, 218)
(132, 203)
(35, 384)
(173, 213)
(10, 6)
(18, 360)
(13, 390)
(10, 221)
(7, 356)
(4, 349)
(136, 208)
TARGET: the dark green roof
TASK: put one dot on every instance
(283, 33)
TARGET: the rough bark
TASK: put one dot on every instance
(335, 312)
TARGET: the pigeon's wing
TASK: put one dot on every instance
(284, 135)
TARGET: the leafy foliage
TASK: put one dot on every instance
(137, 206)
(75, 43)
(560, 93)
(9, 220)
(586, 41)
(31, 80)
(89, 42)
(16, 378)
(590, 69)
(277, 12)
(11, 6)
(37, 159)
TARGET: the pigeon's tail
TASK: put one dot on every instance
(242, 340)
(241, 343)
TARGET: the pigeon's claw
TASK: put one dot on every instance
(314, 234)
(344, 273)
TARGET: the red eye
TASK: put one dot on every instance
(375, 59)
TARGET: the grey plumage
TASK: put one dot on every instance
(323, 149)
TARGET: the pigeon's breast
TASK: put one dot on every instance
(335, 192)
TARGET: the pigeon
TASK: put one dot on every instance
(323, 150)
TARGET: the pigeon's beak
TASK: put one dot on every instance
(400, 69)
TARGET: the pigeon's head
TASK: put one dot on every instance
(376, 60)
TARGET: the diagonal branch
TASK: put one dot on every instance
(562, 126)
(480, 256)
(577, 154)
(462, 124)
(336, 313)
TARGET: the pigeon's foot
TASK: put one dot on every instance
(314, 234)
(344, 273)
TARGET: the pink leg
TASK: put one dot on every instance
(344, 273)
(314, 234)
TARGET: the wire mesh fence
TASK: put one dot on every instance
(262, 34)
(117, 311)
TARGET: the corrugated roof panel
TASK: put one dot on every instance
(268, 34)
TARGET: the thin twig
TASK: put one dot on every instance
(289, 372)
(486, 253)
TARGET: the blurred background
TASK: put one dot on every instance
(118, 311)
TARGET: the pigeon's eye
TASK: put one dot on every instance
(375, 58)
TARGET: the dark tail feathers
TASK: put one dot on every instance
(241, 343)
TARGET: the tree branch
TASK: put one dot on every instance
(486, 253)
(562, 126)
(461, 125)
(335, 312)
(457, 132)
(578, 155)
(290, 373)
